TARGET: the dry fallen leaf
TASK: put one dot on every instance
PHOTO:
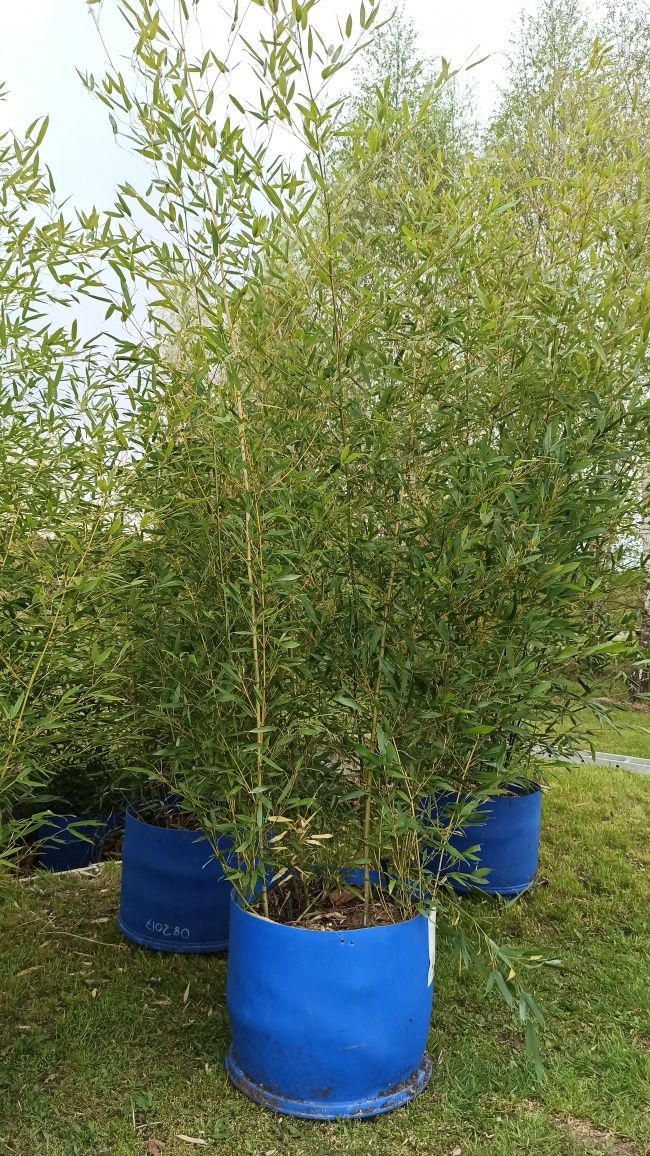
(102, 919)
(456, 1152)
(341, 897)
(50, 1078)
(26, 970)
(192, 1139)
(186, 993)
(94, 993)
(160, 1002)
(154, 1148)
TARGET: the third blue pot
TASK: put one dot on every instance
(328, 1024)
(505, 829)
(174, 896)
(68, 842)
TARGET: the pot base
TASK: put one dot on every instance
(324, 1110)
(176, 945)
(511, 892)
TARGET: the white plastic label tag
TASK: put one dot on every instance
(432, 945)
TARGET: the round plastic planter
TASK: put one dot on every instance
(328, 1024)
(506, 830)
(62, 848)
(173, 896)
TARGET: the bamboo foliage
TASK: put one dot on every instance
(381, 474)
(62, 525)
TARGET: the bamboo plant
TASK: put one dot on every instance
(369, 482)
(63, 531)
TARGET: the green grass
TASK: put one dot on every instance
(626, 732)
(101, 1053)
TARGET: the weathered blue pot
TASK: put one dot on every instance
(68, 842)
(505, 829)
(174, 896)
(328, 1024)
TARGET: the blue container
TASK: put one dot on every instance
(328, 1024)
(68, 842)
(507, 839)
(174, 896)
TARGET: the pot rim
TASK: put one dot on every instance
(178, 833)
(237, 901)
(515, 792)
(87, 820)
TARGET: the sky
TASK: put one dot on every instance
(44, 42)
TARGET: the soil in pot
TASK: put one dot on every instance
(317, 906)
(159, 813)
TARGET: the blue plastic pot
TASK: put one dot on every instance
(506, 830)
(328, 1024)
(174, 896)
(62, 849)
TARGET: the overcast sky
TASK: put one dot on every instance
(44, 41)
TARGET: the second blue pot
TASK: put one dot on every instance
(328, 1024)
(174, 896)
(505, 829)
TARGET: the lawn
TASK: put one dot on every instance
(108, 1050)
(626, 732)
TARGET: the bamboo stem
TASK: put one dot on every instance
(259, 689)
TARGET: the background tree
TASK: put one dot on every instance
(377, 121)
(570, 140)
